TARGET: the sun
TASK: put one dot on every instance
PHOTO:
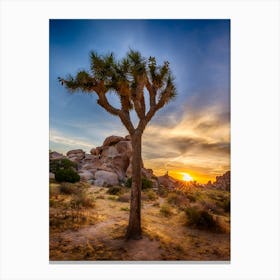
(187, 177)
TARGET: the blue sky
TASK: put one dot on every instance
(191, 131)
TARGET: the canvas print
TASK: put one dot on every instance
(139, 142)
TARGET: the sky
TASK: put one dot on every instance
(190, 134)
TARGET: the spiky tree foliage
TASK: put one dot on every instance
(128, 78)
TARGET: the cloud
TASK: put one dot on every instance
(69, 141)
(199, 141)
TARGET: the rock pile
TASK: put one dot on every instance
(223, 182)
(109, 164)
(56, 155)
(167, 182)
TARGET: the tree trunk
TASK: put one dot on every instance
(134, 226)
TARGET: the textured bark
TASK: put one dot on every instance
(134, 226)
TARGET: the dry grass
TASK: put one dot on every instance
(97, 232)
(166, 210)
(70, 206)
(124, 198)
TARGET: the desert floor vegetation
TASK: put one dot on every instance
(88, 222)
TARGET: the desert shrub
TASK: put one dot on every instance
(146, 184)
(112, 197)
(165, 210)
(114, 190)
(124, 208)
(194, 196)
(162, 191)
(128, 183)
(151, 195)
(67, 175)
(210, 206)
(225, 204)
(52, 203)
(65, 163)
(81, 200)
(178, 199)
(66, 219)
(200, 219)
(124, 198)
(173, 198)
(219, 195)
(66, 188)
(191, 197)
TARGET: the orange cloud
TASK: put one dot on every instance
(199, 145)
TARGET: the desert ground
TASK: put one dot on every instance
(88, 223)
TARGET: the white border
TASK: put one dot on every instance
(255, 137)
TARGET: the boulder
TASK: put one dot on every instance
(111, 140)
(89, 157)
(106, 178)
(85, 175)
(124, 147)
(77, 151)
(109, 152)
(76, 155)
(96, 163)
(106, 166)
(120, 164)
(56, 155)
(51, 175)
(86, 166)
(96, 151)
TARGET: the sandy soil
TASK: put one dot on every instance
(164, 238)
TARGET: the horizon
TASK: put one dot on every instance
(190, 135)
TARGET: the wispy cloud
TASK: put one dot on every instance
(69, 141)
(200, 142)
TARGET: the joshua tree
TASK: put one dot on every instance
(128, 78)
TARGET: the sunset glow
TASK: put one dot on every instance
(187, 177)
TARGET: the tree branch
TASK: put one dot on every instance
(138, 98)
(124, 116)
(152, 92)
(153, 109)
(103, 102)
(125, 119)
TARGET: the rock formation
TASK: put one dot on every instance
(223, 182)
(76, 155)
(56, 155)
(109, 164)
(167, 182)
